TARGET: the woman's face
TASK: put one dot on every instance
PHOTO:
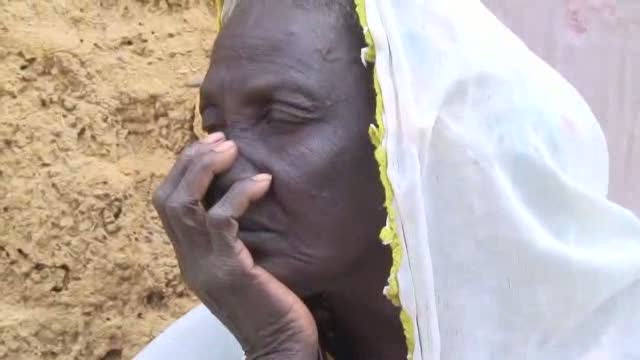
(287, 85)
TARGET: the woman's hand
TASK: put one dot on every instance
(268, 320)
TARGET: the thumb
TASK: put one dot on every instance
(236, 201)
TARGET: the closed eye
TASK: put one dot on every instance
(287, 113)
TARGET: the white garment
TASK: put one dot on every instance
(499, 172)
(196, 336)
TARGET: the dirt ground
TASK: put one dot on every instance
(94, 105)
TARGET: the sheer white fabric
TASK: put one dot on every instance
(500, 174)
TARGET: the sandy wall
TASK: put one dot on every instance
(93, 108)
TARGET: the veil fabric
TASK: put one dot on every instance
(498, 172)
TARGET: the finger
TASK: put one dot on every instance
(178, 170)
(193, 151)
(184, 212)
(198, 177)
(164, 191)
(222, 216)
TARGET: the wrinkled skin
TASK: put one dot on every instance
(298, 104)
(217, 265)
(288, 99)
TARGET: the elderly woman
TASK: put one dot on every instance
(281, 201)
(504, 245)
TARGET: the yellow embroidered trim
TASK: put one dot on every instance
(388, 234)
(218, 5)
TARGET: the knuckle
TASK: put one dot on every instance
(175, 205)
(191, 151)
(159, 198)
(205, 163)
(186, 214)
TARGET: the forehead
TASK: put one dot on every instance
(278, 30)
(280, 22)
(278, 37)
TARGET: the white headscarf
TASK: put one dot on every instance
(499, 175)
(496, 173)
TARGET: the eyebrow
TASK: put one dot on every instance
(298, 88)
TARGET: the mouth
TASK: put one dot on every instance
(249, 235)
(259, 243)
(250, 225)
(260, 238)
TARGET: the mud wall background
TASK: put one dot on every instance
(93, 107)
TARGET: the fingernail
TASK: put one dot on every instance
(261, 177)
(224, 146)
(211, 138)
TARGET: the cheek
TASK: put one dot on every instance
(319, 173)
(328, 186)
(329, 182)
(308, 162)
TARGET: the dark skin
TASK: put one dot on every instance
(281, 202)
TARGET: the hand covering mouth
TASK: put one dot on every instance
(250, 224)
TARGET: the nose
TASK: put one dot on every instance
(241, 169)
